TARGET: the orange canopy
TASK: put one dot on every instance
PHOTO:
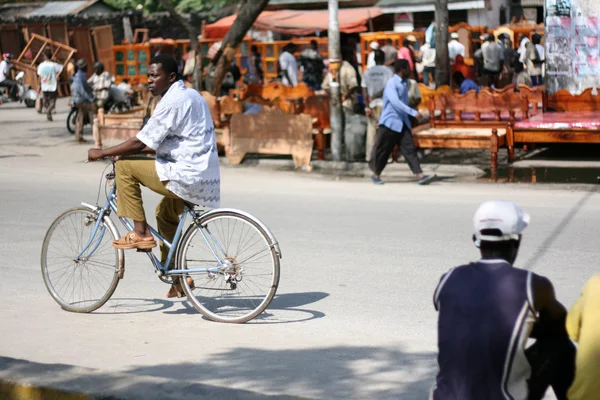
(294, 22)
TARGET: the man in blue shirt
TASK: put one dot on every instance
(463, 83)
(395, 126)
(82, 98)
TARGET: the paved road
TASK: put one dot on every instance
(353, 317)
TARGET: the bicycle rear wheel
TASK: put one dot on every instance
(244, 284)
(84, 284)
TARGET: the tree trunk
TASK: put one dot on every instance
(247, 13)
(442, 66)
(335, 100)
(193, 33)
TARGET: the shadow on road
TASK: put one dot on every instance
(340, 372)
(284, 309)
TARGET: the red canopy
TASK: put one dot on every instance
(294, 22)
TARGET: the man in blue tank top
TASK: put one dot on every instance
(487, 312)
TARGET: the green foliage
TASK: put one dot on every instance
(150, 6)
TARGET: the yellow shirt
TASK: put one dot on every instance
(583, 325)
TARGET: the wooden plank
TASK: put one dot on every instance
(57, 32)
(30, 29)
(465, 143)
(82, 41)
(10, 39)
(103, 41)
(556, 136)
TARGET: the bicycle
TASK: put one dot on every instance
(235, 275)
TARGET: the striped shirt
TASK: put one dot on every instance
(486, 314)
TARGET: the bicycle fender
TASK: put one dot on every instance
(264, 227)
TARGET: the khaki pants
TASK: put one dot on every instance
(85, 108)
(130, 174)
(373, 122)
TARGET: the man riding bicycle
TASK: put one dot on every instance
(181, 133)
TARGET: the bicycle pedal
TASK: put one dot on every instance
(144, 250)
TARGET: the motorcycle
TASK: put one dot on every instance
(24, 92)
(118, 101)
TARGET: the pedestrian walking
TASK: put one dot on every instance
(312, 65)
(395, 127)
(371, 57)
(48, 72)
(428, 62)
(455, 47)
(82, 98)
(391, 53)
(487, 312)
(493, 60)
(373, 84)
(583, 326)
(288, 65)
(100, 82)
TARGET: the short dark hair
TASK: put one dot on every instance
(48, 54)
(314, 43)
(167, 63)
(400, 65)
(458, 77)
(536, 38)
(406, 43)
(389, 41)
(379, 57)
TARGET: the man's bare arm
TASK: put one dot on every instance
(552, 314)
(127, 148)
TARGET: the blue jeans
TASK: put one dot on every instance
(537, 80)
(426, 72)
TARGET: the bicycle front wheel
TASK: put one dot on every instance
(242, 283)
(80, 284)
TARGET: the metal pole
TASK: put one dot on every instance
(335, 101)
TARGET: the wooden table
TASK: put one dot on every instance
(555, 127)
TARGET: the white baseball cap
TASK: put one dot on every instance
(454, 35)
(374, 45)
(499, 220)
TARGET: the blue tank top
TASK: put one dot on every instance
(486, 314)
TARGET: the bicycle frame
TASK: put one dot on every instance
(161, 269)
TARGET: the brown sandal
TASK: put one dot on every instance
(132, 240)
(176, 289)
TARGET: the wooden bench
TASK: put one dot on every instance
(470, 120)
(271, 131)
(462, 138)
(477, 110)
(118, 126)
(574, 121)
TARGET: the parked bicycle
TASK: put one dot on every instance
(233, 258)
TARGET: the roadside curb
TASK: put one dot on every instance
(358, 169)
(25, 380)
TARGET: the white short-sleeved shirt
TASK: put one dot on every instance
(455, 48)
(48, 72)
(4, 69)
(288, 62)
(182, 132)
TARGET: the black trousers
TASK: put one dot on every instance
(12, 87)
(552, 365)
(384, 144)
